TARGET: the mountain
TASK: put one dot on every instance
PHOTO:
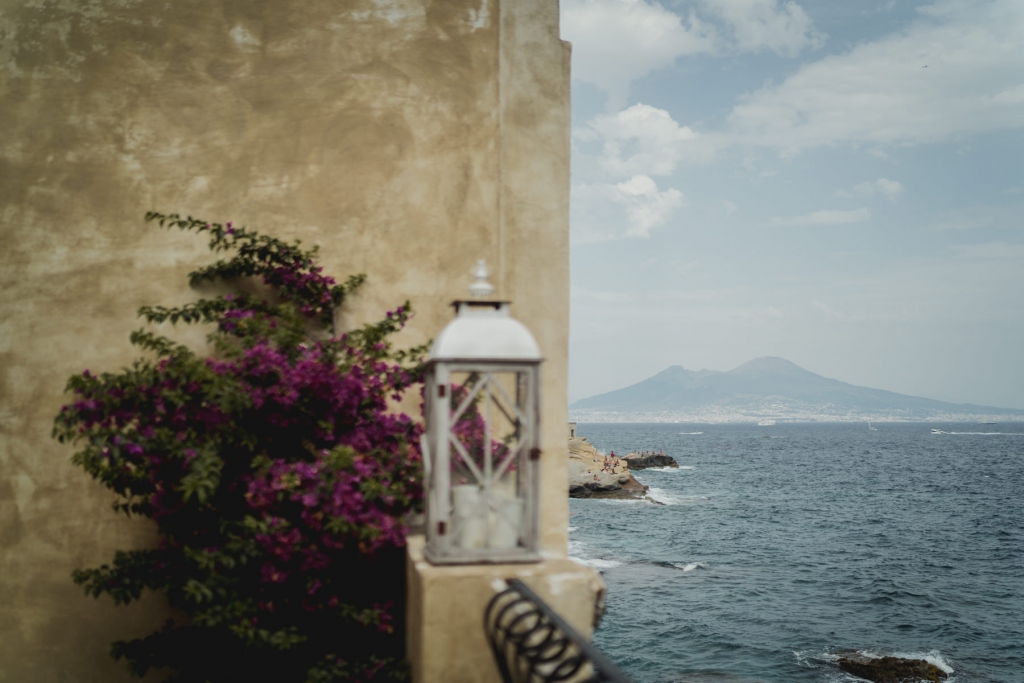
(766, 388)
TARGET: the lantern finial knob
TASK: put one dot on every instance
(481, 287)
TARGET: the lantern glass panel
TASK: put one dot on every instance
(489, 441)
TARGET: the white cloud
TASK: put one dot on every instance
(879, 92)
(639, 140)
(618, 41)
(730, 208)
(756, 25)
(646, 206)
(632, 208)
(890, 189)
(635, 144)
(826, 217)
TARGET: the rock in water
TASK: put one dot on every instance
(590, 477)
(889, 669)
(639, 461)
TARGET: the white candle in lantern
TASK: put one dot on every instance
(468, 519)
(506, 517)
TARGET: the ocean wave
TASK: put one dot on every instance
(852, 528)
(617, 501)
(662, 496)
(689, 566)
(932, 657)
(667, 498)
(577, 553)
(668, 469)
(598, 563)
(690, 433)
(573, 528)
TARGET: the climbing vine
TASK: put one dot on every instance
(275, 470)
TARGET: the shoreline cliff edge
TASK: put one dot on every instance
(589, 479)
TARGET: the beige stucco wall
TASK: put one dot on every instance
(408, 138)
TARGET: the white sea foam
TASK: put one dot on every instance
(985, 434)
(808, 658)
(572, 528)
(578, 553)
(690, 566)
(690, 433)
(668, 469)
(666, 497)
(597, 563)
(932, 657)
(669, 498)
(662, 496)
(619, 501)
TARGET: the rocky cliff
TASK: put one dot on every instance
(590, 476)
(643, 460)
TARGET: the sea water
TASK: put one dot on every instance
(777, 546)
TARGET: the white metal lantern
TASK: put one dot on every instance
(481, 445)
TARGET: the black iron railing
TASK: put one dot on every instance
(532, 644)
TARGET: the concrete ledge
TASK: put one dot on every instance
(446, 640)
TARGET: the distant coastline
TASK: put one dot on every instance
(769, 389)
(725, 417)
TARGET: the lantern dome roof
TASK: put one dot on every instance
(484, 330)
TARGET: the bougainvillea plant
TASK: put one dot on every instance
(276, 474)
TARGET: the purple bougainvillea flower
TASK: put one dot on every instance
(269, 468)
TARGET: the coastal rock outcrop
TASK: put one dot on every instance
(639, 461)
(889, 669)
(590, 477)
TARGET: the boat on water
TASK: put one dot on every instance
(766, 422)
(937, 431)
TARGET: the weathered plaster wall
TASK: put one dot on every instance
(408, 138)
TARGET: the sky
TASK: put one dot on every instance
(836, 182)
